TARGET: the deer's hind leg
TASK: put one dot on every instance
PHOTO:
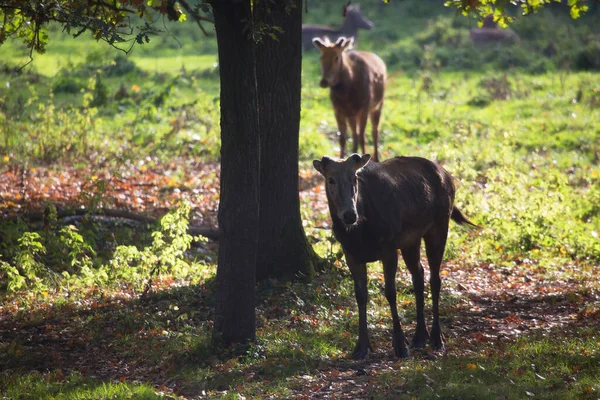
(375, 118)
(362, 126)
(353, 121)
(390, 266)
(435, 244)
(412, 259)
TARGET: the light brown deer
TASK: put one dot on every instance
(356, 80)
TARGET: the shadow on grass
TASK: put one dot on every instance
(165, 340)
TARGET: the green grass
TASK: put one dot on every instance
(55, 385)
(546, 368)
(306, 332)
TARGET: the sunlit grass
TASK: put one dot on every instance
(72, 386)
(49, 64)
(540, 367)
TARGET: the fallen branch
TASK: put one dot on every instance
(208, 232)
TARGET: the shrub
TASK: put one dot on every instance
(442, 33)
(120, 66)
(100, 93)
(514, 57)
(65, 84)
(588, 58)
(541, 66)
(480, 100)
(59, 254)
(403, 57)
(498, 88)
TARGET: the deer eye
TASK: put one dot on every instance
(331, 181)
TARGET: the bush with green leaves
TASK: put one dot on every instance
(59, 255)
(166, 254)
(67, 84)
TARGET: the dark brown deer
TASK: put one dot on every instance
(353, 21)
(377, 208)
(356, 81)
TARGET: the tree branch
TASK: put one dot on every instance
(208, 232)
(112, 7)
(197, 18)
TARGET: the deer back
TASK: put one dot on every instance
(361, 83)
(398, 200)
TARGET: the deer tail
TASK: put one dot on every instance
(460, 218)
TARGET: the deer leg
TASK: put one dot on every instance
(390, 266)
(375, 117)
(362, 126)
(412, 259)
(359, 275)
(435, 243)
(341, 123)
(353, 127)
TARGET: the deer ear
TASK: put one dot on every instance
(322, 164)
(355, 158)
(359, 161)
(318, 166)
(318, 43)
(340, 41)
(364, 160)
(348, 43)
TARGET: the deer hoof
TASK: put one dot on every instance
(437, 345)
(419, 341)
(437, 338)
(400, 349)
(360, 351)
(401, 352)
(437, 342)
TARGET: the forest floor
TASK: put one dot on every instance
(510, 332)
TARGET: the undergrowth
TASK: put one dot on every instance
(58, 257)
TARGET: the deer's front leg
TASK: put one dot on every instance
(359, 274)
(342, 129)
(390, 266)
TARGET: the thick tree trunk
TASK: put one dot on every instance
(284, 251)
(240, 179)
(259, 212)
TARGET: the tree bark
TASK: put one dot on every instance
(261, 230)
(240, 179)
(284, 251)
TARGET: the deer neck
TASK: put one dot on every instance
(349, 27)
(346, 75)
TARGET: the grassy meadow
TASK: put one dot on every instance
(85, 125)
